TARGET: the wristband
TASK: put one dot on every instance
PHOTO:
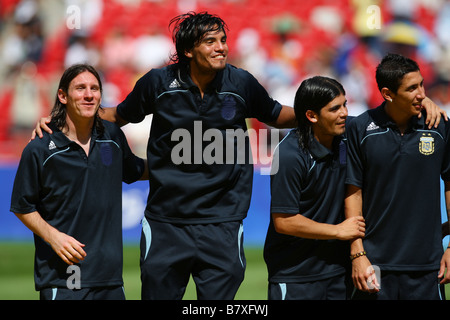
(357, 255)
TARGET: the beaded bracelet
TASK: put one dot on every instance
(357, 255)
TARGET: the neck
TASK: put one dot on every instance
(201, 79)
(400, 119)
(79, 132)
(325, 140)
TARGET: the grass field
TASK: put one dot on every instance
(17, 283)
(16, 274)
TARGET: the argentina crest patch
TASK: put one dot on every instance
(228, 107)
(426, 144)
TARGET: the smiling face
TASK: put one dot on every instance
(409, 96)
(210, 55)
(330, 121)
(82, 98)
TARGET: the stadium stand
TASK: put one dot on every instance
(279, 41)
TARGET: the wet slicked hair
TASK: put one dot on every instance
(189, 29)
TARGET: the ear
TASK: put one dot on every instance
(188, 54)
(62, 96)
(387, 94)
(312, 116)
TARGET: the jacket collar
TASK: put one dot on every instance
(382, 119)
(186, 80)
(319, 151)
(61, 140)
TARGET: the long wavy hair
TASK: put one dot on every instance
(313, 94)
(59, 110)
(189, 29)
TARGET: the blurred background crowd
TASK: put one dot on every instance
(279, 41)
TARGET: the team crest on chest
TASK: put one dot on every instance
(228, 108)
(426, 144)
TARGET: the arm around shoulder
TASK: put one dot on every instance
(286, 118)
(110, 114)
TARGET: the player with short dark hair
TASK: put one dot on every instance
(395, 162)
(304, 250)
(68, 191)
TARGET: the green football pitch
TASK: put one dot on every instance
(16, 274)
(17, 283)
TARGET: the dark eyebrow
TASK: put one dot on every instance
(212, 35)
(337, 106)
(413, 86)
